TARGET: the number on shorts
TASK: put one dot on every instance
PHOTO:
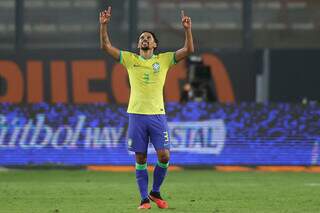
(166, 136)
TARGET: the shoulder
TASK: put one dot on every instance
(127, 53)
(168, 56)
(127, 56)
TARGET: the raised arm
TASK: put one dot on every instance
(188, 48)
(105, 43)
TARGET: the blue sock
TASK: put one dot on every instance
(142, 179)
(159, 174)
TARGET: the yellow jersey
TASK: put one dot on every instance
(147, 78)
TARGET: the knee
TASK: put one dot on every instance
(164, 158)
(141, 159)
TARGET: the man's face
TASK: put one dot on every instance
(146, 41)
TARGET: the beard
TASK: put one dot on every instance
(145, 48)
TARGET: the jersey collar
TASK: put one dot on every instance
(144, 59)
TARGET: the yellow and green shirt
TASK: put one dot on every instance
(147, 77)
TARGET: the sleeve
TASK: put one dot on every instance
(125, 58)
(170, 58)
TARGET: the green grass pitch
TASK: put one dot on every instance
(64, 191)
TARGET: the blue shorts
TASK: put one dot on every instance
(147, 128)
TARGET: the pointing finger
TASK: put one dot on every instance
(109, 9)
(182, 14)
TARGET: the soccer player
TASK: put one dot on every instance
(147, 122)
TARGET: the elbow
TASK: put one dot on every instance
(190, 50)
(104, 47)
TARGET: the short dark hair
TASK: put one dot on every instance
(153, 35)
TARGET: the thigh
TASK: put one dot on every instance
(137, 134)
(159, 132)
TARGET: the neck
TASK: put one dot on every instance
(146, 54)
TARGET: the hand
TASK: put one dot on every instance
(186, 21)
(105, 16)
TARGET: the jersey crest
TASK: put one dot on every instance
(156, 67)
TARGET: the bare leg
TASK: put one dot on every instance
(163, 155)
(141, 158)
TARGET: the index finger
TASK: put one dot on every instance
(182, 14)
(109, 9)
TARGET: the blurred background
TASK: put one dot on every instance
(249, 94)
